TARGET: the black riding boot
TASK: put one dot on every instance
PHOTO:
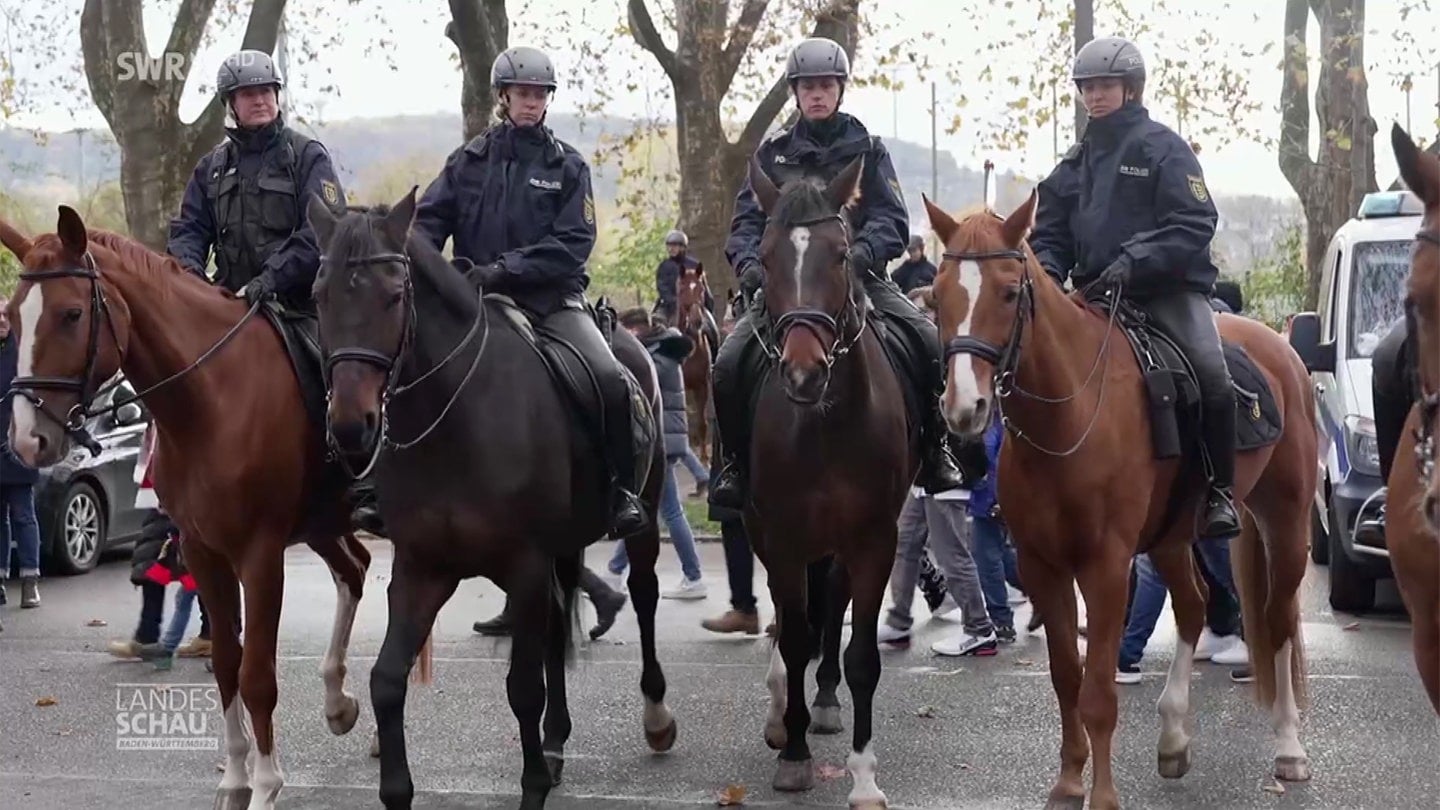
(938, 470)
(498, 626)
(364, 510)
(728, 489)
(1220, 520)
(627, 511)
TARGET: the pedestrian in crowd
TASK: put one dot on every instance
(995, 556)
(17, 489)
(916, 271)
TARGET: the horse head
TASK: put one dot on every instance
(72, 330)
(807, 284)
(1421, 172)
(690, 301)
(982, 292)
(364, 297)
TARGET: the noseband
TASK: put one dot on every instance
(814, 319)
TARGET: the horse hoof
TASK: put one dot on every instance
(826, 720)
(1174, 766)
(555, 763)
(662, 740)
(375, 745)
(1292, 769)
(232, 798)
(793, 777)
(342, 722)
(775, 736)
(869, 804)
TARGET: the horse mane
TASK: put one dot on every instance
(136, 254)
(358, 233)
(804, 200)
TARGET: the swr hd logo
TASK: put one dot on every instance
(167, 67)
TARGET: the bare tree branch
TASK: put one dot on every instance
(741, 35)
(189, 27)
(1294, 146)
(764, 115)
(480, 30)
(263, 29)
(643, 29)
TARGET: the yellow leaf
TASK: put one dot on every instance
(731, 796)
(46, 701)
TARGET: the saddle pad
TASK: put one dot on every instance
(300, 332)
(1257, 416)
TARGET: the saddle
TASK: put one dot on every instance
(300, 332)
(1174, 394)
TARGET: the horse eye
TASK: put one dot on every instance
(72, 315)
(395, 300)
(1011, 294)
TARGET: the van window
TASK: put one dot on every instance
(1377, 292)
(1330, 278)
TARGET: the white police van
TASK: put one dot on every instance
(1362, 294)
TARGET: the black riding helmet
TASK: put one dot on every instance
(1112, 57)
(523, 65)
(247, 68)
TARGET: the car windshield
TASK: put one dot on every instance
(1377, 292)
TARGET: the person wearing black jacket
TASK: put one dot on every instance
(916, 271)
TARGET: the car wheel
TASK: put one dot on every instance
(1319, 539)
(1351, 589)
(79, 532)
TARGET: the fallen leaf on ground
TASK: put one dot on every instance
(64, 732)
(96, 623)
(925, 711)
(1024, 662)
(1274, 787)
(46, 701)
(1351, 626)
(828, 771)
(731, 796)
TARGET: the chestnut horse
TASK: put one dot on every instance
(1412, 531)
(832, 462)
(1083, 492)
(693, 322)
(240, 468)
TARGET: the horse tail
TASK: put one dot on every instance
(565, 590)
(424, 671)
(1268, 626)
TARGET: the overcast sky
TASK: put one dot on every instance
(425, 78)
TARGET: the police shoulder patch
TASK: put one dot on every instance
(330, 192)
(1197, 187)
(589, 209)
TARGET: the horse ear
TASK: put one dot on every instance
(1020, 222)
(845, 188)
(1420, 171)
(941, 223)
(321, 220)
(401, 217)
(765, 191)
(71, 230)
(14, 240)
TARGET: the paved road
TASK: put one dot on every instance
(992, 742)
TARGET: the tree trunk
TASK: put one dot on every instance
(1084, 32)
(1330, 188)
(158, 151)
(480, 30)
(701, 70)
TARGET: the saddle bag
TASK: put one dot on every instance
(1164, 428)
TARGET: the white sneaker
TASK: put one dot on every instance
(1016, 597)
(948, 611)
(1236, 655)
(966, 644)
(1209, 644)
(888, 634)
(1127, 675)
(688, 589)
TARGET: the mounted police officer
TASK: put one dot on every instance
(245, 203)
(667, 276)
(1128, 209)
(518, 204)
(916, 271)
(817, 148)
(246, 199)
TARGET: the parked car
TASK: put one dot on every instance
(1362, 293)
(86, 505)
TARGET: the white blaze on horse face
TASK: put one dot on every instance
(22, 424)
(962, 392)
(800, 238)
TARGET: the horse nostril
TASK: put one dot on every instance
(371, 421)
(1432, 509)
(41, 444)
(979, 405)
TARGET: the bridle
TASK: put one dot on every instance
(84, 386)
(817, 319)
(390, 365)
(1425, 439)
(1006, 359)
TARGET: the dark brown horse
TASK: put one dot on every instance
(1083, 492)
(831, 463)
(1412, 531)
(480, 471)
(691, 319)
(239, 467)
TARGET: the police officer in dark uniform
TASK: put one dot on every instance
(1128, 209)
(245, 203)
(818, 147)
(518, 205)
(667, 276)
(1394, 389)
(916, 271)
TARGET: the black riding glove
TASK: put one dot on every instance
(752, 278)
(860, 259)
(1118, 273)
(260, 288)
(489, 275)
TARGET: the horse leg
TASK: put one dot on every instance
(263, 577)
(825, 717)
(220, 592)
(415, 595)
(1052, 592)
(867, 577)
(348, 561)
(557, 647)
(788, 663)
(1271, 551)
(1176, 565)
(643, 550)
(529, 587)
(1103, 582)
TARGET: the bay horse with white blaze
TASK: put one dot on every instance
(831, 463)
(691, 318)
(480, 470)
(1412, 531)
(239, 466)
(1083, 490)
